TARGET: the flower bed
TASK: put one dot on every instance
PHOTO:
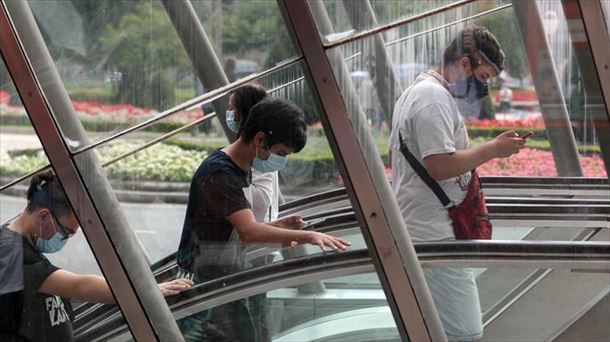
(532, 162)
(118, 112)
(532, 122)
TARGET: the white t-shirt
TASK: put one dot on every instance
(428, 118)
(264, 195)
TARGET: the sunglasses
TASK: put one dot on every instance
(65, 231)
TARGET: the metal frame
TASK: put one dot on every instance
(591, 257)
(141, 304)
(374, 205)
(551, 100)
(391, 249)
(599, 42)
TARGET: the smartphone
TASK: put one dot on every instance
(526, 135)
(314, 222)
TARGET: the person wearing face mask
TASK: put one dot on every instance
(427, 123)
(264, 191)
(219, 220)
(34, 294)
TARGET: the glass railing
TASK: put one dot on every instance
(302, 297)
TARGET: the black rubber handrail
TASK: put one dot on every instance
(468, 251)
(488, 182)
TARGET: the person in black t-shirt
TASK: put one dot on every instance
(34, 294)
(219, 219)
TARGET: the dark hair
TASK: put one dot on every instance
(46, 192)
(281, 120)
(246, 97)
(471, 40)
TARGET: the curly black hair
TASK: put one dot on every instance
(46, 192)
(281, 120)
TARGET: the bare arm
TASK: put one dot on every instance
(251, 231)
(93, 288)
(445, 166)
(86, 288)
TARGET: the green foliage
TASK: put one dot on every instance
(159, 162)
(97, 124)
(254, 26)
(192, 145)
(21, 164)
(177, 160)
(487, 109)
(89, 92)
(142, 46)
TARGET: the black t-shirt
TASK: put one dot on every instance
(209, 246)
(37, 316)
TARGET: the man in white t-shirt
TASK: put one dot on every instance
(431, 125)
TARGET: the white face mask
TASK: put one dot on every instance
(275, 162)
(231, 122)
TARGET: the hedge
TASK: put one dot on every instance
(97, 124)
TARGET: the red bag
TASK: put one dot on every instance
(470, 218)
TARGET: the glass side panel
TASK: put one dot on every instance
(417, 51)
(351, 308)
(122, 62)
(540, 302)
(440, 116)
(20, 148)
(152, 181)
(37, 316)
(248, 36)
(338, 19)
(577, 77)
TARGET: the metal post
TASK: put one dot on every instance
(362, 17)
(591, 46)
(111, 239)
(201, 52)
(360, 163)
(552, 104)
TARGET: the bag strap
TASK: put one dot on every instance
(424, 175)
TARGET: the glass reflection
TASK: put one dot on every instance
(150, 170)
(347, 18)
(512, 106)
(38, 283)
(20, 149)
(513, 98)
(246, 35)
(121, 61)
(350, 308)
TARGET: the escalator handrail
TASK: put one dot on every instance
(554, 254)
(488, 182)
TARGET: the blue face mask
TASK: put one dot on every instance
(231, 122)
(459, 89)
(273, 163)
(52, 245)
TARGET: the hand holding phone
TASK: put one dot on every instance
(314, 222)
(526, 135)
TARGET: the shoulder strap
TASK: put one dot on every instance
(423, 174)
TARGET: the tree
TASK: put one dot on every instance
(143, 46)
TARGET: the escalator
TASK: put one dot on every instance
(539, 288)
